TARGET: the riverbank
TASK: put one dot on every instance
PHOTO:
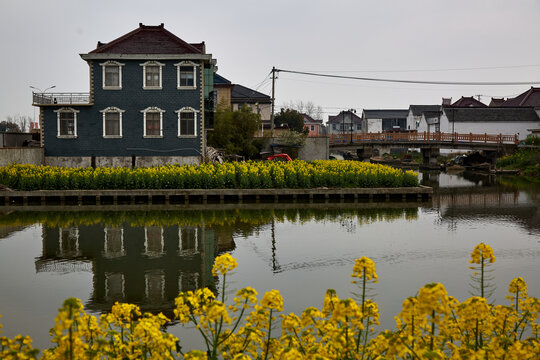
(526, 161)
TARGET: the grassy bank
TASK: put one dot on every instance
(247, 175)
(527, 160)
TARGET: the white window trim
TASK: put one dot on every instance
(108, 254)
(108, 291)
(189, 251)
(153, 63)
(153, 109)
(66, 109)
(108, 110)
(188, 109)
(152, 253)
(112, 63)
(186, 63)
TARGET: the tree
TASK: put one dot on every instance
(16, 123)
(292, 118)
(8, 126)
(308, 108)
(234, 131)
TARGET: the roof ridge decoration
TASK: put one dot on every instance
(155, 36)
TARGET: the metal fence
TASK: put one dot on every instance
(60, 98)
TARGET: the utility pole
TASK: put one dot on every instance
(273, 101)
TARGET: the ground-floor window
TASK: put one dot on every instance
(187, 121)
(66, 122)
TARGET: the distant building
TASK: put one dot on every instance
(314, 127)
(346, 122)
(384, 120)
(468, 101)
(489, 120)
(416, 112)
(150, 93)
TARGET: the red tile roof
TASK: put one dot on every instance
(468, 102)
(530, 97)
(149, 40)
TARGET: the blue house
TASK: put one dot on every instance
(150, 94)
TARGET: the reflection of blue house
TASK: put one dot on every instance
(148, 93)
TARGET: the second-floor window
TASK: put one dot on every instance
(153, 122)
(186, 75)
(112, 122)
(66, 122)
(112, 75)
(152, 75)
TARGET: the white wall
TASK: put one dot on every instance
(412, 120)
(374, 125)
(493, 127)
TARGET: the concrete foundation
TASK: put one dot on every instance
(21, 155)
(113, 162)
(69, 161)
(148, 161)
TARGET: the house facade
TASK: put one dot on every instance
(313, 127)
(384, 120)
(346, 122)
(150, 93)
(416, 112)
(489, 120)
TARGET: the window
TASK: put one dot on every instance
(66, 122)
(187, 121)
(152, 78)
(153, 122)
(186, 75)
(112, 75)
(358, 126)
(112, 122)
(153, 241)
(312, 128)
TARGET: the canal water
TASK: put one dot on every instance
(147, 257)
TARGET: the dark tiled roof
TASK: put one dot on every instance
(220, 80)
(149, 40)
(432, 114)
(417, 110)
(339, 117)
(496, 101)
(243, 94)
(309, 120)
(491, 114)
(385, 114)
(530, 97)
(469, 101)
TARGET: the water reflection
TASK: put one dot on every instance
(145, 265)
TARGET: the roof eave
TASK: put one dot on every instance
(107, 56)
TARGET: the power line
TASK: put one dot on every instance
(407, 81)
(428, 70)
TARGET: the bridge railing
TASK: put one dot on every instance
(423, 137)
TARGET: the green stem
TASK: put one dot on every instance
(432, 330)
(269, 334)
(482, 278)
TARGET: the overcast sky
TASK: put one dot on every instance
(489, 40)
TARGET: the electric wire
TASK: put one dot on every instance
(476, 83)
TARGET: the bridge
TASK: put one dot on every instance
(429, 143)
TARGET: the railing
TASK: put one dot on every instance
(60, 98)
(423, 137)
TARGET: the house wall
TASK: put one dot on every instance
(315, 131)
(223, 95)
(374, 125)
(494, 127)
(21, 155)
(316, 148)
(132, 98)
(265, 110)
(412, 121)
